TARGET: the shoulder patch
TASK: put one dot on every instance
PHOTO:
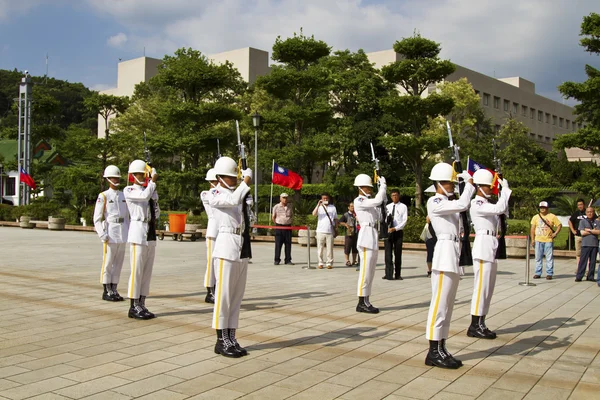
(361, 199)
(479, 202)
(100, 200)
(437, 200)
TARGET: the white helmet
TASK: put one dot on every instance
(112, 171)
(363, 180)
(137, 166)
(442, 172)
(226, 166)
(483, 177)
(210, 175)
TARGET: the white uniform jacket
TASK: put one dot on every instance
(485, 217)
(212, 229)
(111, 217)
(400, 215)
(139, 210)
(367, 215)
(227, 213)
(445, 218)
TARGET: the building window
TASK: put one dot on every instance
(497, 128)
(506, 105)
(486, 99)
(547, 139)
(560, 122)
(516, 108)
(568, 124)
(554, 120)
(532, 113)
(574, 126)
(524, 110)
(540, 138)
(540, 116)
(11, 183)
(547, 118)
(496, 102)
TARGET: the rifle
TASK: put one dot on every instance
(246, 249)
(466, 257)
(152, 223)
(383, 225)
(501, 251)
(218, 149)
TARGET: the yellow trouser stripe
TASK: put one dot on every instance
(437, 304)
(220, 292)
(133, 264)
(209, 263)
(363, 272)
(479, 288)
(103, 263)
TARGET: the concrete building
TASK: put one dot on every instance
(250, 62)
(505, 97)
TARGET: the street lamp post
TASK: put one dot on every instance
(256, 123)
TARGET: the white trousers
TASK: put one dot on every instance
(443, 289)
(209, 276)
(112, 262)
(142, 262)
(325, 240)
(485, 279)
(229, 292)
(368, 263)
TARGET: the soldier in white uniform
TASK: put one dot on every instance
(367, 214)
(111, 220)
(485, 217)
(444, 214)
(143, 210)
(211, 234)
(230, 263)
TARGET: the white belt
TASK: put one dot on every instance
(447, 236)
(228, 229)
(140, 220)
(116, 220)
(486, 232)
(371, 224)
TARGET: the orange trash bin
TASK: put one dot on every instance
(177, 223)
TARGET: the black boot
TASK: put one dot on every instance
(210, 296)
(443, 343)
(224, 346)
(366, 307)
(478, 329)
(136, 311)
(240, 349)
(107, 294)
(438, 358)
(116, 294)
(143, 305)
(485, 328)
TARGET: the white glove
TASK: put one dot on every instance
(153, 172)
(104, 239)
(504, 183)
(382, 180)
(247, 173)
(465, 175)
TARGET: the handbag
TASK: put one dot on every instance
(424, 233)
(335, 233)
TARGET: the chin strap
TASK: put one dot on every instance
(224, 183)
(487, 196)
(363, 192)
(112, 183)
(444, 190)
(212, 185)
(138, 182)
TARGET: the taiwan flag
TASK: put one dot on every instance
(285, 177)
(473, 166)
(27, 179)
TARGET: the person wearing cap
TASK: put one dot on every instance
(485, 217)
(544, 228)
(327, 223)
(142, 203)
(367, 214)
(111, 221)
(230, 254)
(444, 213)
(211, 234)
(282, 216)
(590, 229)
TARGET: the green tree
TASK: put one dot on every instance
(408, 137)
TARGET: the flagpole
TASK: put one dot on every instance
(271, 200)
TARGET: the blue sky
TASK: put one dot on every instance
(536, 39)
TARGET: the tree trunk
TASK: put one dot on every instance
(419, 183)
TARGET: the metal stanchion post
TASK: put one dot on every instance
(527, 259)
(308, 248)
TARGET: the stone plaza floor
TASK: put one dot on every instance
(59, 340)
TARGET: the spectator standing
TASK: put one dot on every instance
(590, 229)
(544, 228)
(397, 215)
(577, 216)
(430, 240)
(282, 216)
(326, 228)
(349, 221)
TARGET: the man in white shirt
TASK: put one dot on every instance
(397, 215)
(212, 231)
(326, 229)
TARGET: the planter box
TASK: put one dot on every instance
(516, 247)
(56, 224)
(24, 222)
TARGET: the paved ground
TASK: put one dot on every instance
(58, 340)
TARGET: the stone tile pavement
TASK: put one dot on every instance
(59, 340)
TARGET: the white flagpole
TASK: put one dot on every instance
(271, 201)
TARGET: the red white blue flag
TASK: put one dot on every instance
(473, 166)
(27, 179)
(285, 177)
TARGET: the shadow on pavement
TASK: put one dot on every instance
(550, 324)
(293, 296)
(524, 347)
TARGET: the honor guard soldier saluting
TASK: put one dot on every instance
(143, 209)
(211, 234)
(485, 217)
(367, 214)
(445, 216)
(111, 220)
(230, 263)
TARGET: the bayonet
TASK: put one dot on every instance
(241, 146)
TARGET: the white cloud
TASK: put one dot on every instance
(117, 40)
(99, 87)
(9, 7)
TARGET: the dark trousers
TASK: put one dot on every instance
(283, 237)
(393, 246)
(588, 255)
